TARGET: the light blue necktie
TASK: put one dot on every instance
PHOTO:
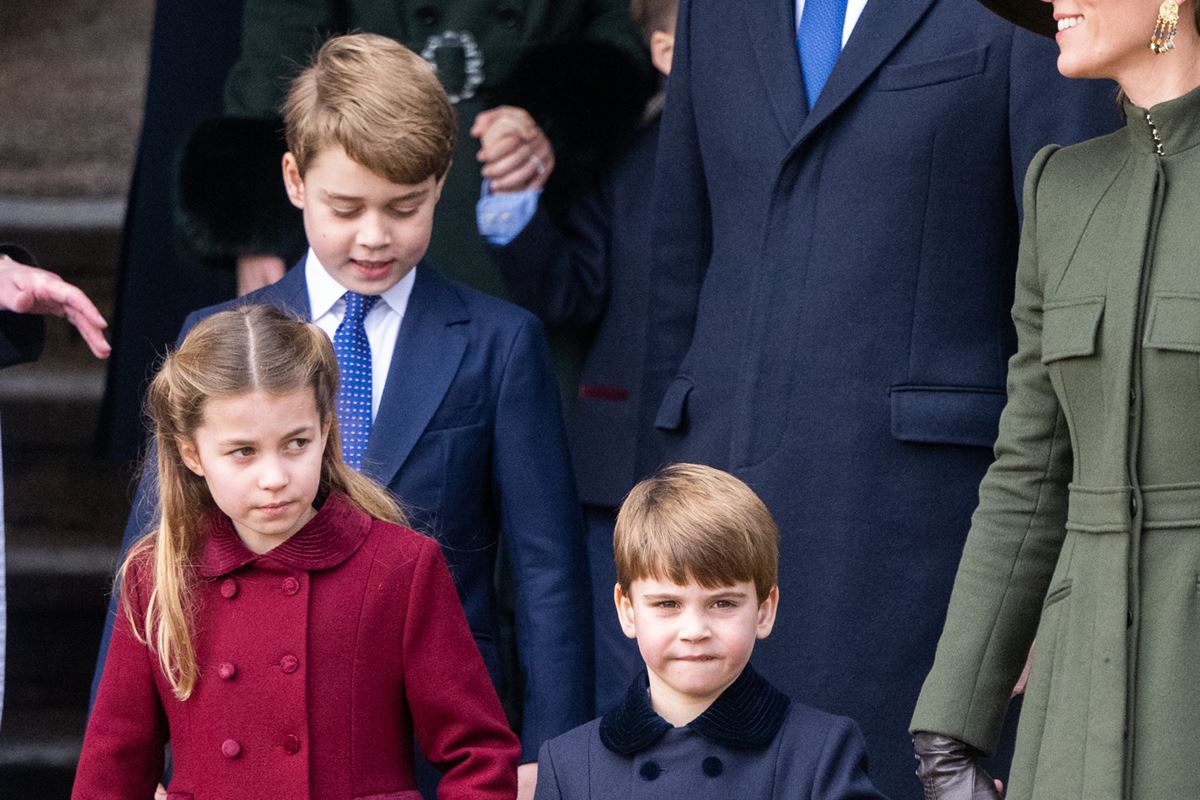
(354, 387)
(819, 37)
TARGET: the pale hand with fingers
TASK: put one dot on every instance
(30, 290)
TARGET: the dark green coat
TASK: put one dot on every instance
(279, 36)
(1088, 528)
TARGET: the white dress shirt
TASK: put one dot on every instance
(382, 322)
(854, 9)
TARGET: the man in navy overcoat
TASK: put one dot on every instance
(846, 352)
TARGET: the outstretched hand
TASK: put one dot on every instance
(29, 290)
(515, 152)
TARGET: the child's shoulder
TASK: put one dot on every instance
(485, 307)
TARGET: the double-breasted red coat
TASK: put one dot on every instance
(319, 662)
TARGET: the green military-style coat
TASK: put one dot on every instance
(475, 45)
(1088, 527)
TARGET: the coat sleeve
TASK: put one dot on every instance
(21, 335)
(541, 525)
(841, 772)
(682, 234)
(1016, 533)
(455, 711)
(562, 273)
(122, 753)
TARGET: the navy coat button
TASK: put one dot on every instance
(230, 748)
(290, 586)
(650, 771)
(291, 744)
(712, 766)
(289, 664)
(226, 671)
(229, 588)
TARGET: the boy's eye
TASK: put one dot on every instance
(402, 213)
(725, 604)
(666, 604)
(344, 212)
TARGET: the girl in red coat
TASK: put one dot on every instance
(281, 627)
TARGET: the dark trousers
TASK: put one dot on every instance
(617, 657)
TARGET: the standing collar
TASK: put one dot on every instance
(745, 716)
(1166, 128)
(324, 293)
(329, 538)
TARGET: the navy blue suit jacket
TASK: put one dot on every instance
(846, 351)
(593, 273)
(469, 436)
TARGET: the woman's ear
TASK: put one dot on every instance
(189, 455)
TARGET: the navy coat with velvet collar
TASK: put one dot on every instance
(469, 436)
(752, 743)
(845, 354)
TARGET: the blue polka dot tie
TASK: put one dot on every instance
(354, 388)
(819, 37)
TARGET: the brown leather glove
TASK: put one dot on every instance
(949, 769)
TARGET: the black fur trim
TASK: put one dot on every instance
(589, 98)
(231, 199)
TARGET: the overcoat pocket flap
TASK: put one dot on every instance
(946, 414)
(927, 73)
(1069, 328)
(1174, 322)
(672, 412)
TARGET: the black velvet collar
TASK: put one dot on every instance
(746, 716)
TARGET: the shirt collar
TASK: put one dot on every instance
(336, 531)
(324, 292)
(745, 716)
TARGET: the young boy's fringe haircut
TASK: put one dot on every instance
(252, 348)
(378, 101)
(692, 522)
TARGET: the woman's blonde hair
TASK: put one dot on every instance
(252, 348)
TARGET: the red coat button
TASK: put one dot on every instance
(228, 588)
(230, 748)
(290, 586)
(291, 744)
(289, 664)
(227, 671)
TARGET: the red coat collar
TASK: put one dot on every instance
(328, 539)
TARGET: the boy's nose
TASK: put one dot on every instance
(372, 232)
(693, 626)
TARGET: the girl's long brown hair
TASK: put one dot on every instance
(248, 349)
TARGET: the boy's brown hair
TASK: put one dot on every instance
(692, 522)
(378, 101)
(654, 15)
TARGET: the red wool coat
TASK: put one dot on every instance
(319, 661)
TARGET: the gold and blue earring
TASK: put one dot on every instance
(1163, 38)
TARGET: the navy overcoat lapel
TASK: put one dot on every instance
(429, 349)
(772, 29)
(289, 293)
(882, 26)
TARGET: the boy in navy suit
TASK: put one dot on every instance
(591, 271)
(447, 395)
(696, 559)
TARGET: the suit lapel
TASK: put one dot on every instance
(772, 28)
(428, 351)
(289, 293)
(882, 26)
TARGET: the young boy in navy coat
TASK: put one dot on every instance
(457, 408)
(591, 272)
(697, 555)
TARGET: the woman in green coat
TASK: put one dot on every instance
(1087, 534)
